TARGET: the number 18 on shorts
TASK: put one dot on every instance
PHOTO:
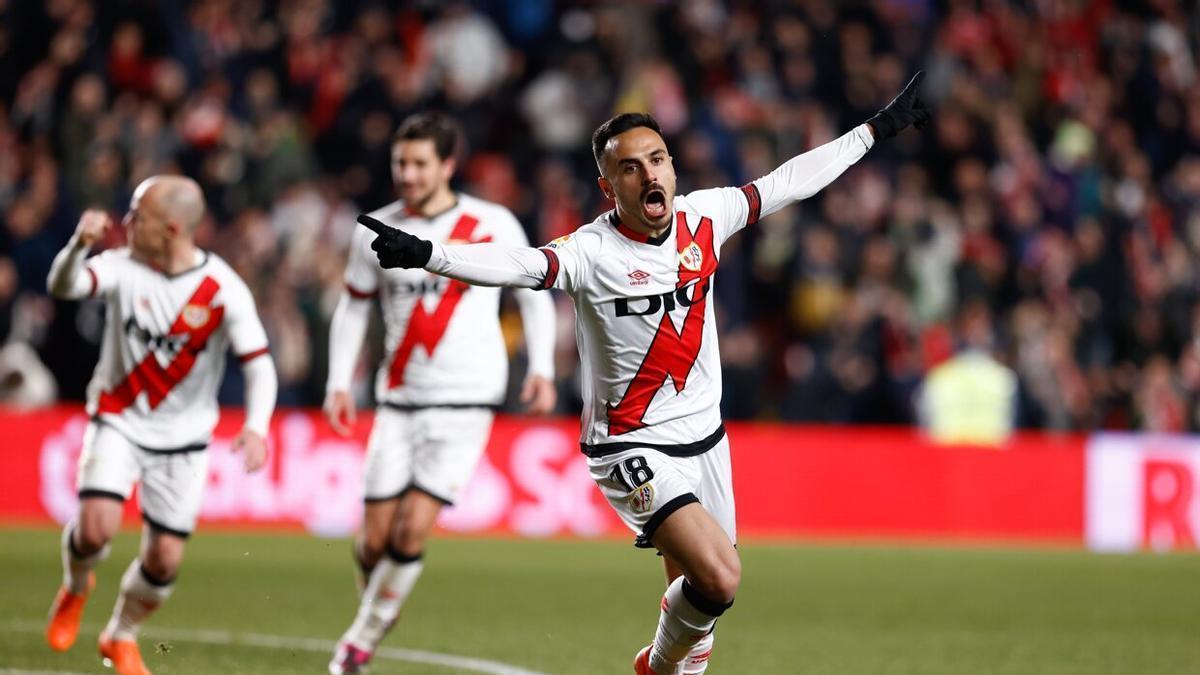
(645, 486)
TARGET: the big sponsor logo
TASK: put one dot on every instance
(646, 305)
(432, 285)
(1142, 492)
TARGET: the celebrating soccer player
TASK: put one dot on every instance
(444, 373)
(172, 311)
(641, 277)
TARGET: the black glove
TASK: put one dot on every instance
(905, 109)
(396, 248)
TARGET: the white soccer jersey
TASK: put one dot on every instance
(644, 324)
(163, 353)
(443, 340)
(645, 320)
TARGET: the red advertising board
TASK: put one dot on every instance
(789, 481)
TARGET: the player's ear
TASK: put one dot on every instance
(606, 187)
(449, 166)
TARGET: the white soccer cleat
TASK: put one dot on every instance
(349, 660)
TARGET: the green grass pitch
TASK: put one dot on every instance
(587, 606)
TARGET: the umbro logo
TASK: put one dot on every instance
(639, 278)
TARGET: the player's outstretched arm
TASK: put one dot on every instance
(478, 264)
(67, 279)
(807, 174)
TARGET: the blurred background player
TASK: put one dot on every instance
(172, 310)
(640, 277)
(444, 372)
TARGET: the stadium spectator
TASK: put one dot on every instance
(1060, 186)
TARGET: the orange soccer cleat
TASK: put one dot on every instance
(123, 656)
(641, 662)
(65, 613)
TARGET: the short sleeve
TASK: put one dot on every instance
(247, 337)
(362, 268)
(730, 208)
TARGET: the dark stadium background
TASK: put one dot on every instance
(1055, 198)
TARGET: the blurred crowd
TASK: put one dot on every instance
(1048, 219)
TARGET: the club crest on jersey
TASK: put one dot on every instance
(195, 315)
(642, 498)
(691, 258)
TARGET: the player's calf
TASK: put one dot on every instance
(687, 617)
(141, 594)
(389, 586)
(78, 581)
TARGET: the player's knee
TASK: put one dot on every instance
(159, 567)
(407, 543)
(161, 559)
(719, 582)
(90, 539)
(370, 549)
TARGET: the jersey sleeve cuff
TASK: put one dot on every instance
(552, 266)
(359, 294)
(753, 203)
(250, 356)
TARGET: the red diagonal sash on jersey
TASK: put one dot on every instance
(198, 319)
(427, 329)
(672, 352)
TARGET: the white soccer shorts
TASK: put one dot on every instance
(172, 481)
(433, 450)
(645, 486)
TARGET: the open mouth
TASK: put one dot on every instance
(654, 204)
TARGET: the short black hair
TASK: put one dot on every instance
(445, 133)
(619, 125)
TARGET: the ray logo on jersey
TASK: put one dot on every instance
(195, 315)
(691, 257)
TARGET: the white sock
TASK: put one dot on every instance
(681, 625)
(138, 599)
(76, 568)
(696, 661)
(390, 583)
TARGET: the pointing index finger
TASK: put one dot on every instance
(375, 225)
(915, 82)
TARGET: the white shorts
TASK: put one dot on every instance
(645, 486)
(433, 450)
(172, 481)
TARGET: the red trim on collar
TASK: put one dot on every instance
(630, 233)
(633, 235)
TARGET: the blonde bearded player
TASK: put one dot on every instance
(445, 370)
(172, 311)
(641, 277)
